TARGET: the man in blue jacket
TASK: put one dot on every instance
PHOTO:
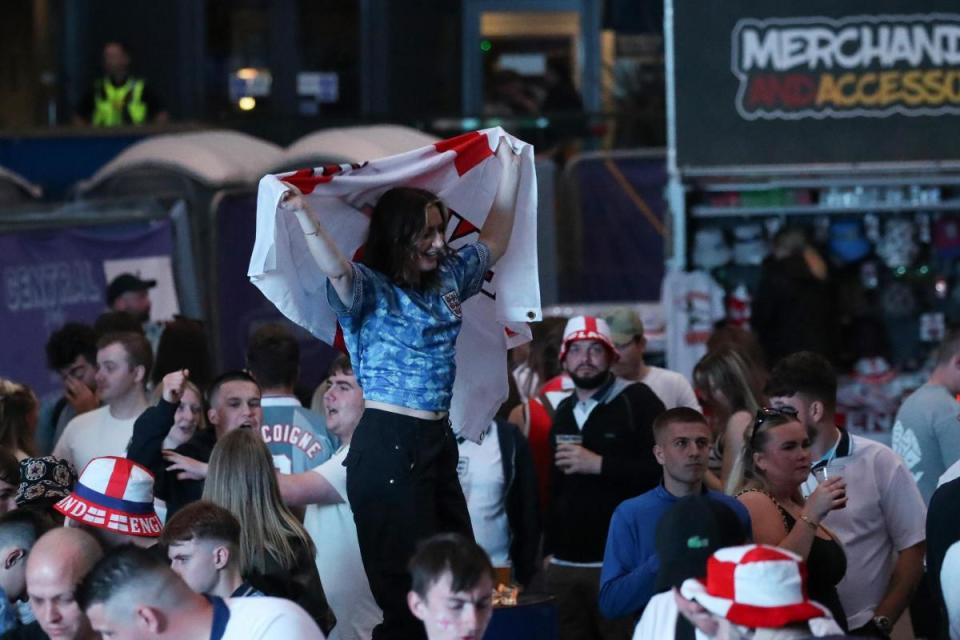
(630, 561)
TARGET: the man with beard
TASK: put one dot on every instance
(130, 294)
(603, 442)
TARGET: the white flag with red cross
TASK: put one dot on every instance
(464, 173)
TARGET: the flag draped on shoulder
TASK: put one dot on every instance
(463, 172)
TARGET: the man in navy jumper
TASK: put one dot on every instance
(603, 454)
(630, 562)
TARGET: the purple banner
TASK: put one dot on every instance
(55, 276)
(617, 246)
(241, 308)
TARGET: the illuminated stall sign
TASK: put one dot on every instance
(814, 82)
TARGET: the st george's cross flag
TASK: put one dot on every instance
(464, 173)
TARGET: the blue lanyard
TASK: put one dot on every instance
(221, 616)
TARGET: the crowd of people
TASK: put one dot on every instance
(156, 500)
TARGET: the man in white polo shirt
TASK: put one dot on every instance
(882, 526)
(329, 518)
(124, 361)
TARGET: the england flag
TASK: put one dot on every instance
(464, 173)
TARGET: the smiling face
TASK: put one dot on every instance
(430, 242)
(187, 418)
(449, 615)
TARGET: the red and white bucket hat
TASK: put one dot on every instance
(114, 494)
(756, 586)
(587, 328)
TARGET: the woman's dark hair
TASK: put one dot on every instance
(396, 224)
(183, 345)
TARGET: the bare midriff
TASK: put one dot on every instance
(405, 411)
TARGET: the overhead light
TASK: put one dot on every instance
(246, 103)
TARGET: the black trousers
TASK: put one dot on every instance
(403, 487)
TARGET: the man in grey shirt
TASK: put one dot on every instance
(926, 433)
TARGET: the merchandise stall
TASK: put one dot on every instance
(825, 130)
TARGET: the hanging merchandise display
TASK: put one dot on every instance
(847, 241)
(933, 327)
(898, 247)
(710, 249)
(946, 237)
(749, 247)
(738, 307)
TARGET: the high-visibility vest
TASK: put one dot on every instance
(110, 102)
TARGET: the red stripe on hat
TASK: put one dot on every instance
(119, 477)
(720, 578)
(590, 324)
(471, 149)
(762, 553)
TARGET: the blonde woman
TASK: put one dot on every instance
(19, 411)
(724, 380)
(188, 418)
(774, 462)
(276, 552)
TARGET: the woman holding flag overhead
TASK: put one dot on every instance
(400, 311)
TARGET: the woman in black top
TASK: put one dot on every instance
(774, 462)
(276, 552)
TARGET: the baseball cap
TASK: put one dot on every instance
(127, 282)
(624, 323)
(689, 533)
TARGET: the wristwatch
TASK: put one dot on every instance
(883, 624)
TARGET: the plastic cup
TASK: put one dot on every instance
(569, 438)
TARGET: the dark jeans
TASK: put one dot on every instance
(403, 487)
(577, 590)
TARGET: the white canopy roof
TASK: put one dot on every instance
(28, 187)
(354, 144)
(215, 158)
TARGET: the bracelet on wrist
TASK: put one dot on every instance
(809, 520)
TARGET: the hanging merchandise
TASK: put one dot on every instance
(946, 237)
(821, 230)
(940, 288)
(693, 304)
(873, 370)
(773, 225)
(871, 226)
(749, 248)
(710, 249)
(847, 242)
(898, 300)
(738, 307)
(869, 275)
(923, 228)
(933, 327)
(897, 247)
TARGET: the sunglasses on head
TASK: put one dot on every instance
(765, 414)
